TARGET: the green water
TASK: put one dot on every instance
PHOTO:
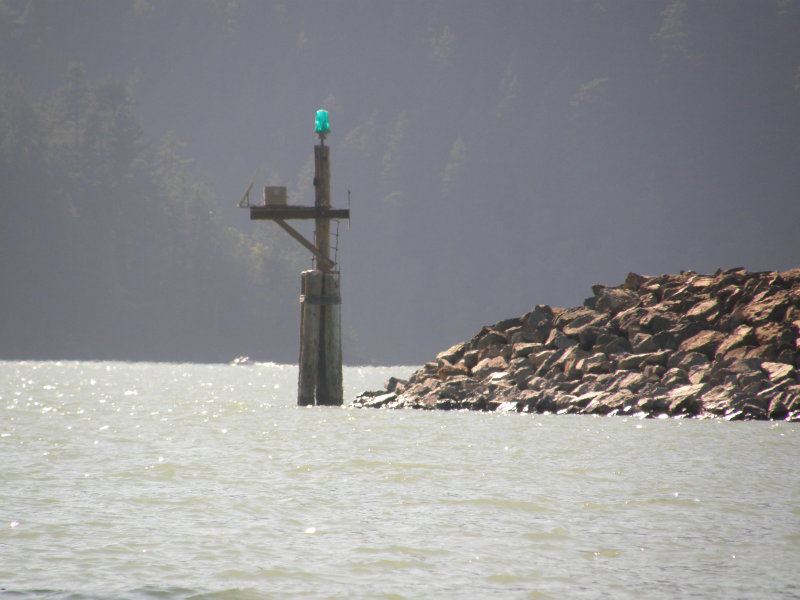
(187, 481)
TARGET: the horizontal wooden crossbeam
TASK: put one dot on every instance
(272, 213)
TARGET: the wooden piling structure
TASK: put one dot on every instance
(329, 390)
(322, 198)
(320, 362)
(329, 369)
(308, 365)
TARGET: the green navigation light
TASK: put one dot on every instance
(322, 123)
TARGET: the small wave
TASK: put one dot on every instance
(502, 503)
(364, 462)
(558, 533)
(404, 550)
(512, 578)
(390, 564)
(600, 554)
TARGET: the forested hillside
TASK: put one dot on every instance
(110, 248)
(500, 155)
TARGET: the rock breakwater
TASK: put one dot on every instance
(725, 345)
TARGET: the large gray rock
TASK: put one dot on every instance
(742, 378)
(507, 324)
(379, 401)
(776, 335)
(608, 402)
(777, 409)
(654, 404)
(586, 329)
(471, 358)
(686, 360)
(522, 376)
(453, 354)
(507, 406)
(642, 343)
(654, 373)
(614, 300)
(675, 377)
(493, 350)
(520, 335)
(701, 283)
(579, 315)
(685, 399)
(491, 338)
(705, 342)
(630, 321)
(658, 320)
(698, 374)
(609, 344)
(525, 349)
(743, 335)
(778, 371)
(558, 341)
(637, 361)
(582, 400)
(686, 329)
(589, 334)
(665, 340)
(540, 322)
(569, 362)
(540, 315)
(707, 310)
(537, 359)
(448, 370)
(634, 281)
(767, 308)
(631, 380)
(393, 384)
(595, 363)
(488, 366)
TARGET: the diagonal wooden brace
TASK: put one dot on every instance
(305, 243)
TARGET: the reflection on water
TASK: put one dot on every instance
(202, 481)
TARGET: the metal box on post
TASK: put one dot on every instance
(275, 195)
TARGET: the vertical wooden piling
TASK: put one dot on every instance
(329, 386)
(322, 199)
(310, 293)
(329, 378)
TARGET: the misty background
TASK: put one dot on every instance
(499, 155)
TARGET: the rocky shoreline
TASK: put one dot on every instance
(687, 345)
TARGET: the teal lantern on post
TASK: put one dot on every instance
(322, 124)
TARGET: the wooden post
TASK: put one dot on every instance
(322, 199)
(310, 292)
(329, 379)
(329, 385)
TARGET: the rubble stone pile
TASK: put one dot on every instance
(688, 345)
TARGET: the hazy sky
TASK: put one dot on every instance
(499, 154)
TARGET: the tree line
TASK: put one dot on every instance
(119, 234)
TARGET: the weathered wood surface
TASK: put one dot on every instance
(329, 386)
(322, 200)
(305, 243)
(311, 287)
(320, 361)
(271, 213)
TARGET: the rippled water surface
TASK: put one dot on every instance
(196, 481)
